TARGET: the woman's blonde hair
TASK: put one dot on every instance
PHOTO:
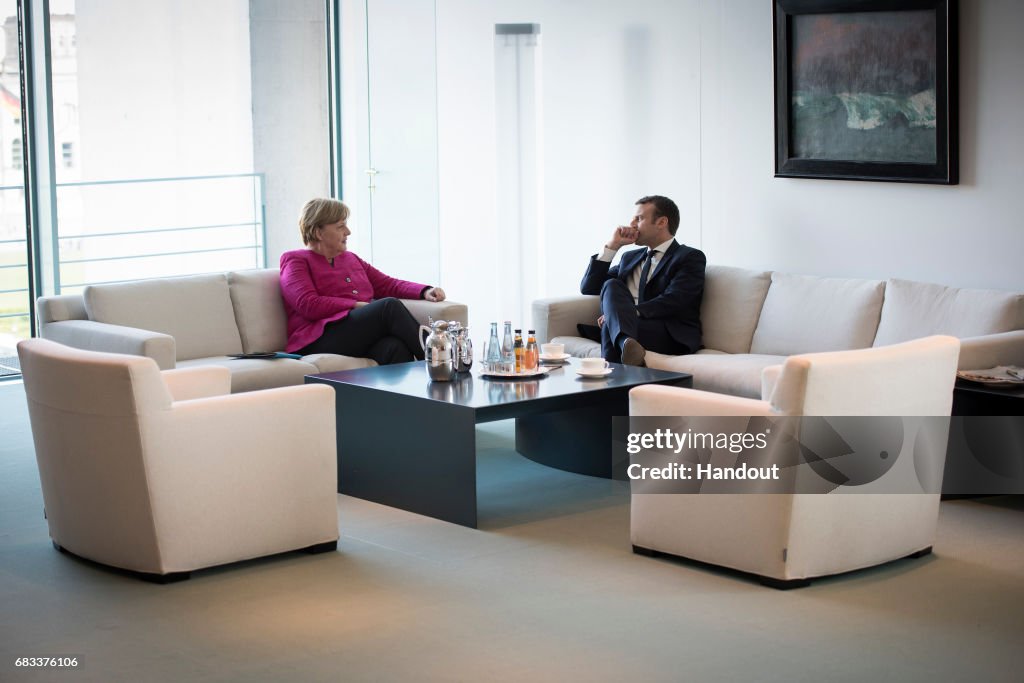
(317, 213)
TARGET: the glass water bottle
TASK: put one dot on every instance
(492, 361)
(508, 357)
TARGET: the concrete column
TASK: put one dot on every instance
(289, 112)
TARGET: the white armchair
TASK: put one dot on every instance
(787, 539)
(164, 473)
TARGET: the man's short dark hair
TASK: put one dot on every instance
(663, 206)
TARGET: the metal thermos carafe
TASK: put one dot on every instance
(463, 346)
(440, 351)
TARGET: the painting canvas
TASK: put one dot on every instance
(864, 95)
(864, 86)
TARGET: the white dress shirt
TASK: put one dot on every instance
(634, 277)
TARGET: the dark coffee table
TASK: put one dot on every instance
(971, 398)
(993, 408)
(410, 443)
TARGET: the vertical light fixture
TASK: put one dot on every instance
(517, 83)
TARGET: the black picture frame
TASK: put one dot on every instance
(889, 138)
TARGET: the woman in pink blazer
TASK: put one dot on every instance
(323, 283)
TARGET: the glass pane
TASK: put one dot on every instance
(151, 89)
(130, 230)
(536, 139)
(399, 206)
(153, 140)
(14, 299)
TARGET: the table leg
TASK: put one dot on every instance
(407, 453)
(580, 439)
(576, 440)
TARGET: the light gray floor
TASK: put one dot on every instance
(546, 590)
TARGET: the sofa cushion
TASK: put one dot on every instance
(918, 309)
(333, 362)
(806, 314)
(259, 309)
(732, 303)
(195, 310)
(579, 347)
(724, 373)
(251, 374)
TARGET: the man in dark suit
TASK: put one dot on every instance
(651, 300)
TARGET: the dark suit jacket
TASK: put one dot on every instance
(673, 293)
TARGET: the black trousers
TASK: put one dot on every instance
(383, 330)
(621, 321)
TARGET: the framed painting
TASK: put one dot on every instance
(866, 90)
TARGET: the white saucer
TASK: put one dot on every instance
(602, 373)
(561, 357)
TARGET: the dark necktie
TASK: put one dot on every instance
(644, 274)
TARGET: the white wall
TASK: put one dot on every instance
(677, 98)
(971, 234)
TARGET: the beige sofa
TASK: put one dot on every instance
(756, 319)
(198, 321)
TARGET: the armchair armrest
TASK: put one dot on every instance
(558, 316)
(991, 350)
(261, 463)
(93, 336)
(186, 384)
(655, 400)
(438, 310)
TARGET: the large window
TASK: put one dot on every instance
(157, 98)
(15, 322)
(162, 138)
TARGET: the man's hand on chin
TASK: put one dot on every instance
(623, 235)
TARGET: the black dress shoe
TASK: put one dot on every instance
(633, 353)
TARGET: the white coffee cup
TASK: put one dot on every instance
(593, 366)
(552, 350)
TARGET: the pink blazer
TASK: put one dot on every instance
(316, 293)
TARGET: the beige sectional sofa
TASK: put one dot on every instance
(199, 320)
(755, 319)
